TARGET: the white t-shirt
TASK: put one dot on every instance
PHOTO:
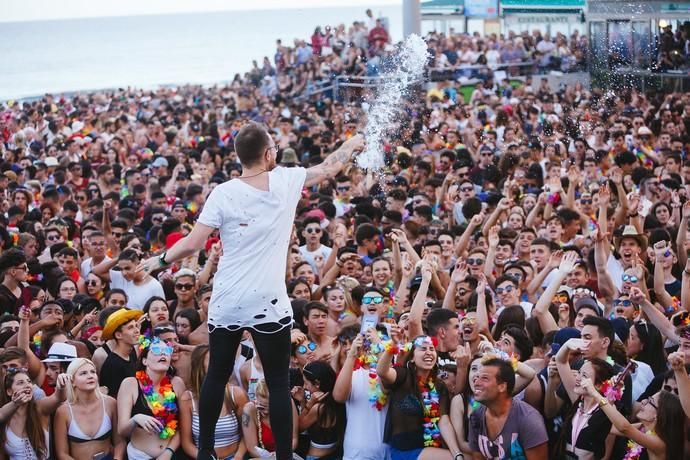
(641, 378)
(139, 294)
(255, 227)
(365, 425)
(323, 251)
(87, 266)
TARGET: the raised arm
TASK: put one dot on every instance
(335, 162)
(657, 318)
(187, 246)
(464, 241)
(649, 440)
(343, 384)
(541, 309)
(564, 370)
(677, 362)
(417, 310)
(662, 295)
(683, 234)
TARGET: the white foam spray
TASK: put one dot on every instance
(408, 68)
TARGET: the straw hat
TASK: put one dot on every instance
(629, 231)
(117, 319)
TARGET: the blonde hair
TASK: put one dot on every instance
(72, 370)
(262, 389)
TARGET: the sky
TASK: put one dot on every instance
(40, 10)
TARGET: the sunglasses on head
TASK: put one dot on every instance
(629, 278)
(374, 300)
(311, 346)
(670, 389)
(560, 298)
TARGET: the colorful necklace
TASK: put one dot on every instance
(163, 405)
(377, 397)
(432, 412)
(634, 449)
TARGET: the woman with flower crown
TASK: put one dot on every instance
(418, 424)
(147, 405)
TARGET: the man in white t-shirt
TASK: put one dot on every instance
(255, 216)
(313, 248)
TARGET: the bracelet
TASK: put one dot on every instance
(459, 455)
(603, 402)
(172, 452)
(161, 259)
(686, 271)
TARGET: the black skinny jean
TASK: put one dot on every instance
(274, 351)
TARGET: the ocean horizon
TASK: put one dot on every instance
(72, 55)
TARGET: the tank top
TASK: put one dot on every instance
(267, 438)
(75, 434)
(227, 427)
(115, 369)
(18, 448)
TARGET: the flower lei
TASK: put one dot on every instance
(36, 340)
(634, 450)
(163, 405)
(432, 412)
(612, 390)
(377, 397)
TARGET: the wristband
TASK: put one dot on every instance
(634, 215)
(161, 259)
(459, 455)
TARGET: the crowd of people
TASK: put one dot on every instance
(513, 285)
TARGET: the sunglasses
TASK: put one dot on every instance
(560, 298)
(374, 300)
(23, 267)
(649, 401)
(466, 189)
(117, 234)
(184, 286)
(313, 230)
(586, 201)
(623, 303)
(311, 346)
(508, 289)
(670, 389)
(630, 278)
(343, 188)
(53, 238)
(468, 321)
(474, 261)
(160, 349)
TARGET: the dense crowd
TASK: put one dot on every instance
(513, 285)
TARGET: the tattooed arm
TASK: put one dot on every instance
(335, 162)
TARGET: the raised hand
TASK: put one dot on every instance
(460, 272)
(555, 259)
(604, 195)
(477, 219)
(636, 295)
(568, 262)
(407, 265)
(677, 361)
(493, 236)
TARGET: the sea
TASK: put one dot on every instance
(66, 56)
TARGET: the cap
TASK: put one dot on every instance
(562, 336)
(289, 157)
(160, 162)
(588, 302)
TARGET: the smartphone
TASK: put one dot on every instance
(368, 321)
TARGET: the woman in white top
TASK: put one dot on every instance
(83, 426)
(25, 421)
(228, 439)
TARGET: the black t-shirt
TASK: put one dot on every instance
(11, 304)
(404, 422)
